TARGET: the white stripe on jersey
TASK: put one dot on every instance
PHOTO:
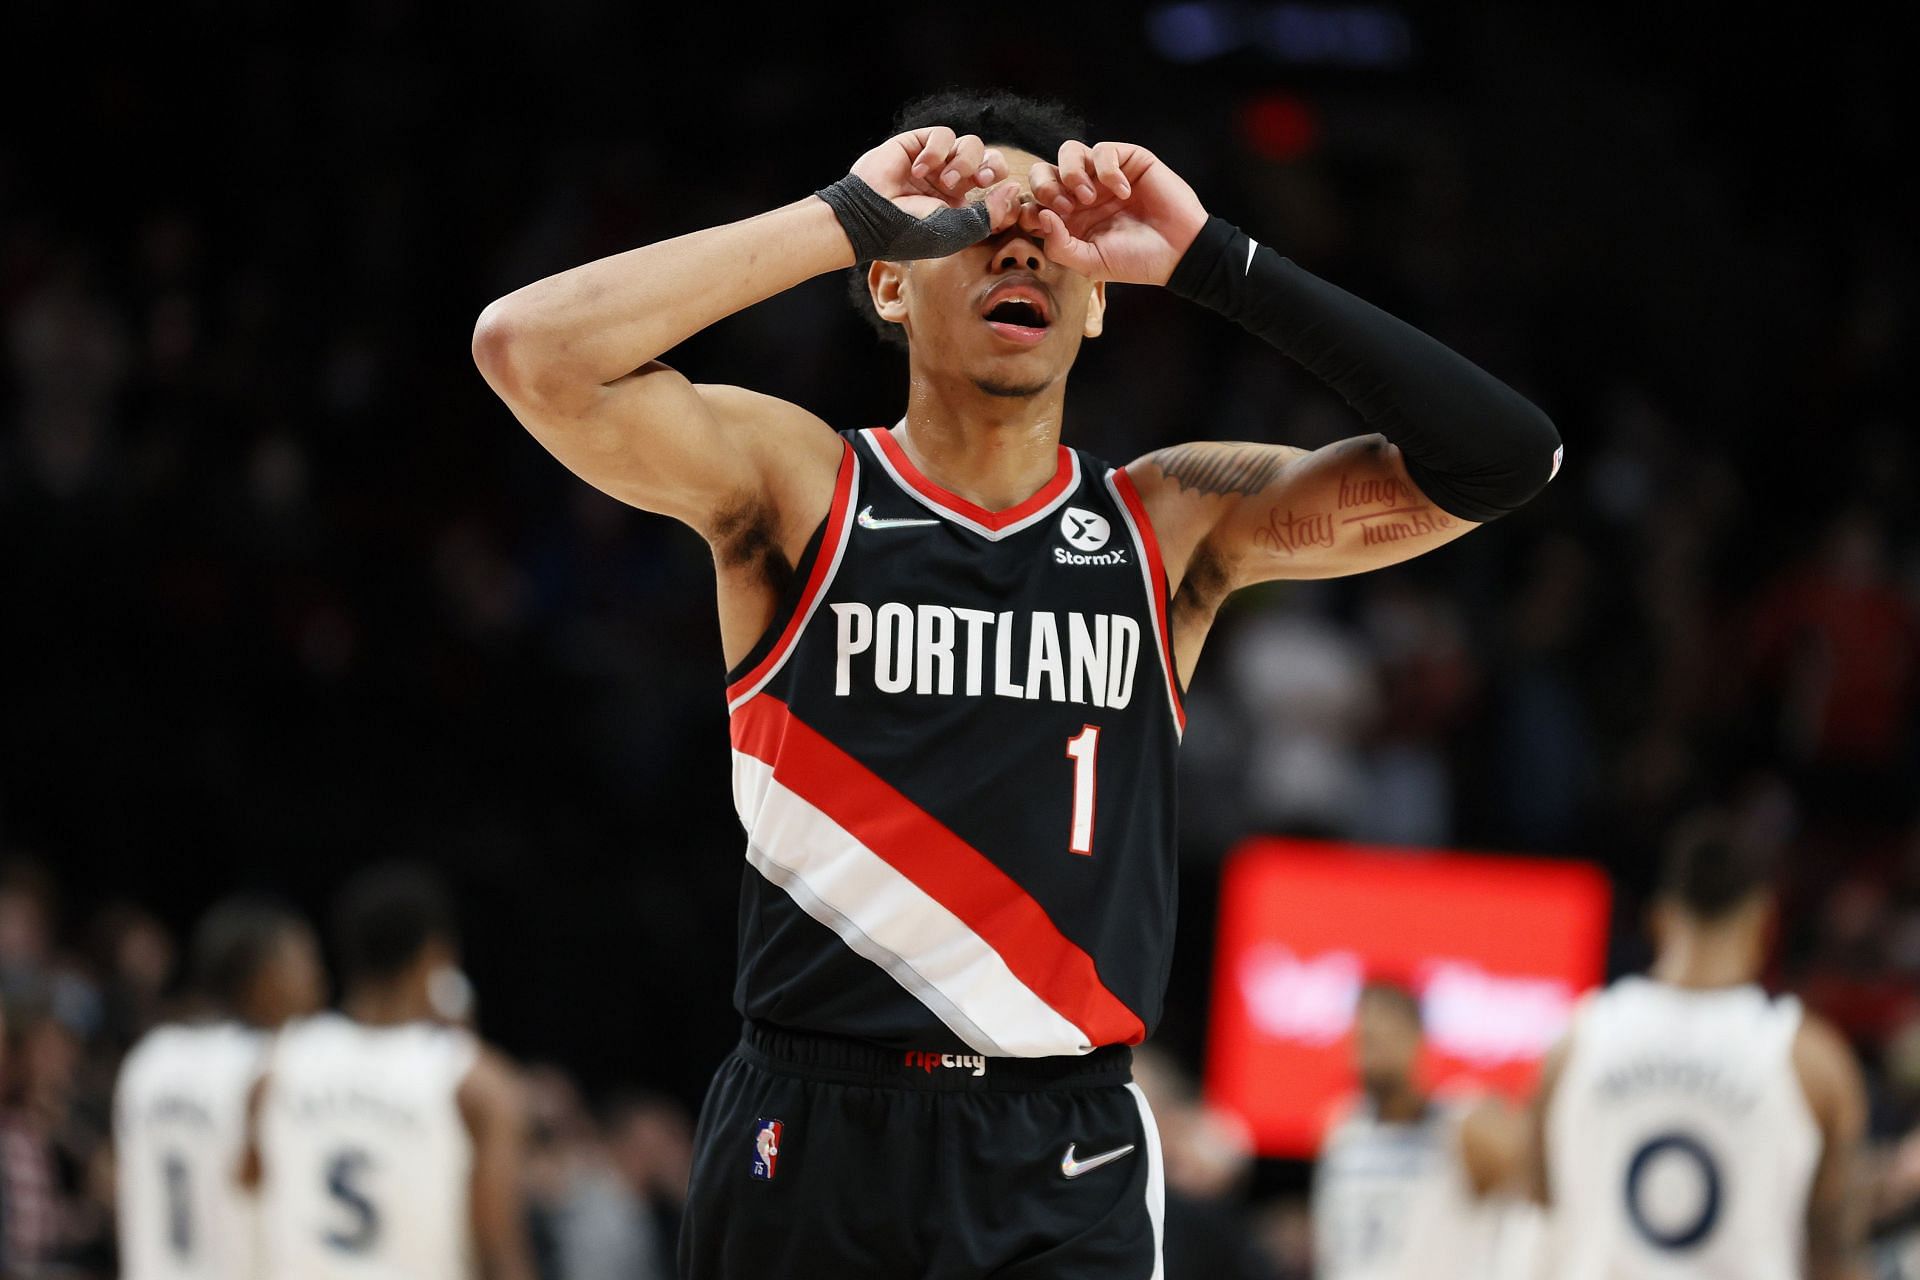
(893, 922)
(810, 606)
(1154, 604)
(1156, 1180)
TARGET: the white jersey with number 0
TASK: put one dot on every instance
(368, 1160)
(1679, 1139)
(1392, 1201)
(179, 1128)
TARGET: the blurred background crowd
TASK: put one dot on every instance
(286, 591)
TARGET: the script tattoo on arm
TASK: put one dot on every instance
(1289, 533)
(1399, 511)
(1224, 468)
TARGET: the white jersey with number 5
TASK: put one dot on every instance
(367, 1158)
(179, 1127)
(1679, 1139)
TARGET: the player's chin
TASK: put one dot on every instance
(1015, 374)
(1013, 385)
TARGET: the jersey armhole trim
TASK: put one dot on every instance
(826, 564)
(1153, 574)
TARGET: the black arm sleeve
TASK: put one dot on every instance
(1475, 446)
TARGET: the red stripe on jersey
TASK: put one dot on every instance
(994, 520)
(838, 515)
(945, 867)
(1123, 483)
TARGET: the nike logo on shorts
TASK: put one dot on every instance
(1074, 1168)
(867, 520)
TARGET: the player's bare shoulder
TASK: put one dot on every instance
(1188, 489)
(491, 1092)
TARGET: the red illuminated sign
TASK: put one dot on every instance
(1498, 950)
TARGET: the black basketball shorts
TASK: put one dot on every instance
(835, 1158)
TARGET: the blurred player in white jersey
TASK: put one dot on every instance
(1409, 1185)
(391, 1139)
(1690, 1125)
(180, 1105)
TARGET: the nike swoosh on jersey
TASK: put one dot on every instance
(1074, 1168)
(867, 520)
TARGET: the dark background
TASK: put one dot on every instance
(287, 591)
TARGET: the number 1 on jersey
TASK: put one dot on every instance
(1081, 748)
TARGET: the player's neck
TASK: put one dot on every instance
(1705, 960)
(996, 451)
(387, 1006)
(1402, 1106)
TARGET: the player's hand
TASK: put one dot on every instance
(1113, 211)
(930, 169)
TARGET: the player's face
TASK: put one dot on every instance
(1386, 1046)
(1001, 314)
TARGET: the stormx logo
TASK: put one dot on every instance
(1086, 532)
(1063, 556)
(929, 1062)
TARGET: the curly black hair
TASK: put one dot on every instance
(1002, 118)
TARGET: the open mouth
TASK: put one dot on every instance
(1019, 316)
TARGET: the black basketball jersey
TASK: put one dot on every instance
(954, 754)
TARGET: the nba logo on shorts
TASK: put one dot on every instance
(766, 1148)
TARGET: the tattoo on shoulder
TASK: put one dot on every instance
(1243, 469)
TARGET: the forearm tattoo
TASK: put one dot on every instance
(1244, 469)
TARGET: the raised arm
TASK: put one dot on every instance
(1232, 514)
(576, 356)
(1454, 448)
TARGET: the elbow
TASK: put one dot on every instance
(1545, 434)
(1517, 454)
(499, 348)
(1533, 460)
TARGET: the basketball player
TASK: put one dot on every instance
(1692, 1125)
(957, 651)
(1406, 1184)
(390, 1140)
(179, 1116)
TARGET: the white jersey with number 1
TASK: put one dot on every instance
(1679, 1138)
(367, 1158)
(179, 1127)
